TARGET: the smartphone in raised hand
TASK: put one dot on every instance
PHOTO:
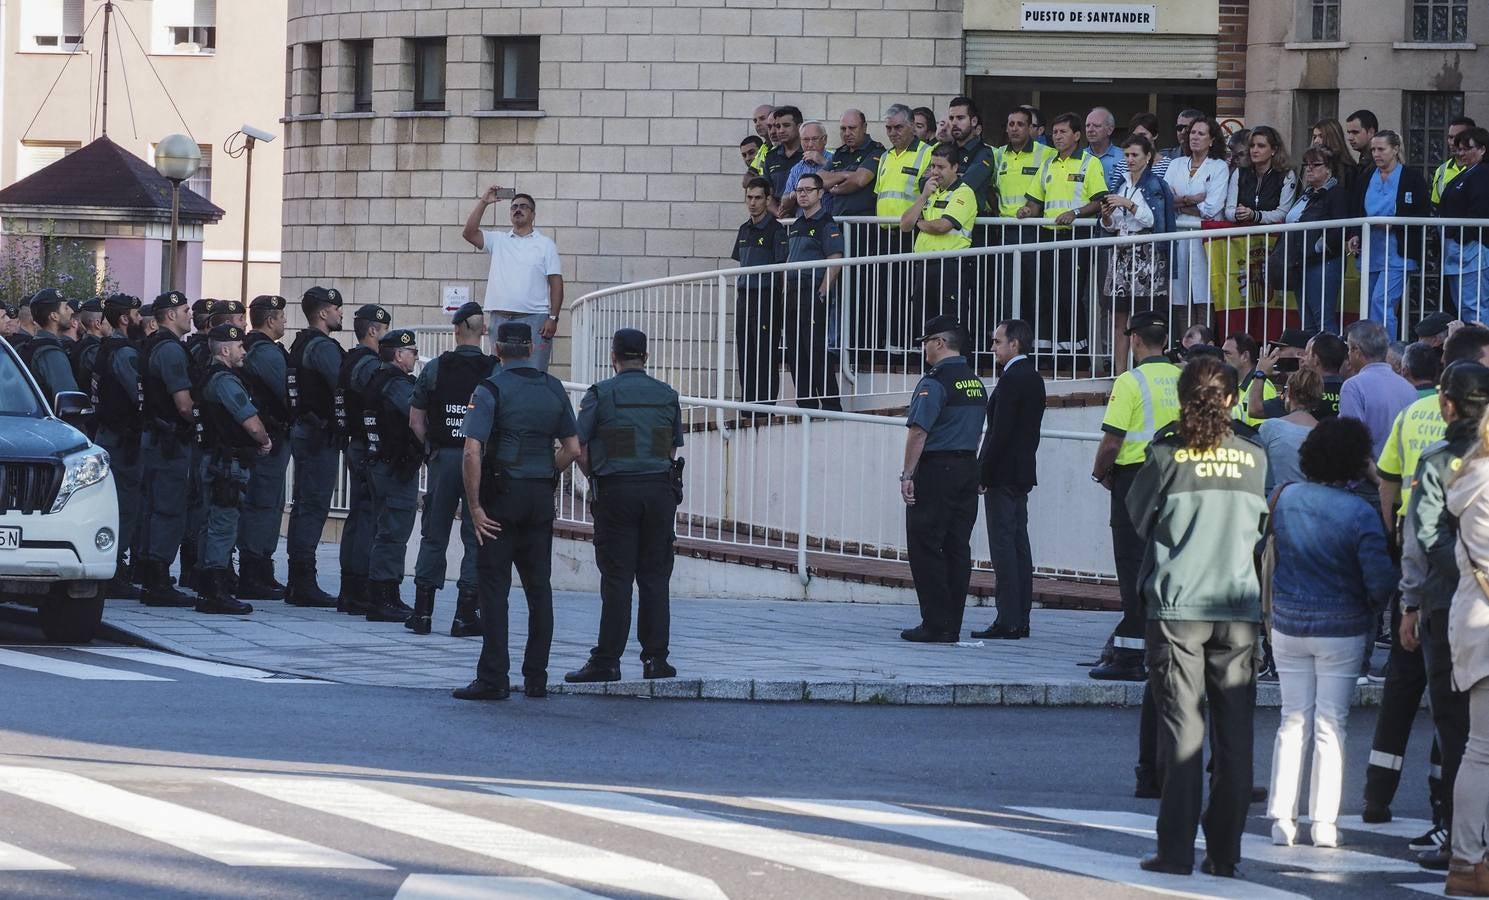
(505, 193)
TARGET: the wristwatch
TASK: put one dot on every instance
(1098, 478)
(553, 318)
(906, 477)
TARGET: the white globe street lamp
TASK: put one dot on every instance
(177, 157)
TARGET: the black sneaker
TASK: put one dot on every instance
(480, 690)
(658, 668)
(1375, 815)
(1435, 837)
(592, 672)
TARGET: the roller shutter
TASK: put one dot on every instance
(1029, 54)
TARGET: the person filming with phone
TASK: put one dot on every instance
(526, 283)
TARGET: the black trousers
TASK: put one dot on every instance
(938, 531)
(1189, 662)
(882, 318)
(1406, 681)
(1127, 552)
(813, 368)
(1063, 327)
(1007, 510)
(634, 519)
(1449, 707)
(757, 340)
(525, 512)
(942, 288)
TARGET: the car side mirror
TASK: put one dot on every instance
(73, 407)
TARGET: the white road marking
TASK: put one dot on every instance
(1011, 843)
(199, 666)
(51, 665)
(1430, 888)
(14, 859)
(483, 837)
(1401, 828)
(1339, 861)
(486, 887)
(222, 840)
(839, 861)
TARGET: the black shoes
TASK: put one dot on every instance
(480, 690)
(592, 672)
(922, 635)
(657, 668)
(1123, 665)
(467, 621)
(158, 590)
(1155, 863)
(535, 688)
(384, 604)
(419, 622)
(1437, 860)
(302, 590)
(1147, 789)
(1217, 869)
(1002, 633)
(353, 597)
(1258, 793)
(217, 596)
(121, 588)
(257, 581)
(1375, 815)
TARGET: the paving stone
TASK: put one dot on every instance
(678, 688)
(779, 691)
(1024, 695)
(878, 692)
(977, 695)
(628, 688)
(928, 694)
(726, 689)
(828, 691)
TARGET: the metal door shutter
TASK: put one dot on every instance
(1039, 55)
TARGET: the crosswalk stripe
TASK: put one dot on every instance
(1014, 844)
(834, 860)
(1397, 827)
(1260, 849)
(485, 887)
(51, 665)
(199, 666)
(483, 837)
(15, 859)
(1431, 888)
(222, 840)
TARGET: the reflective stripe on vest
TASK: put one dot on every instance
(1145, 391)
(911, 191)
(1075, 201)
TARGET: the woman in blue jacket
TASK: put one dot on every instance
(1311, 262)
(1137, 275)
(1392, 189)
(1465, 262)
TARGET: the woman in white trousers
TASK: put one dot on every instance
(1200, 182)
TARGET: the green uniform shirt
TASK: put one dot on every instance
(898, 182)
(1016, 172)
(957, 203)
(1144, 399)
(1065, 185)
(1416, 428)
(1443, 177)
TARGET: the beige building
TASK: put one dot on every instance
(221, 63)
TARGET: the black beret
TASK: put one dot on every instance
(466, 311)
(225, 333)
(267, 301)
(225, 307)
(92, 304)
(121, 301)
(324, 295)
(11, 310)
(373, 313)
(1145, 320)
(514, 333)
(628, 343)
(201, 307)
(398, 339)
(169, 300)
(45, 296)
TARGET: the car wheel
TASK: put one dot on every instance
(71, 620)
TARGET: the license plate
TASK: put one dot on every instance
(10, 537)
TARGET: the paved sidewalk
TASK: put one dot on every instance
(765, 650)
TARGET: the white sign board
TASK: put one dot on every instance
(455, 296)
(1098, 17)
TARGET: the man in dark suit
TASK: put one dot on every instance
(1015, 411)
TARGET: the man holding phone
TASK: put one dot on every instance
(526, 282)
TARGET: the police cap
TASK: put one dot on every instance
(225, 333)
(121, 301)
(629, 343)
(373, 313)
(268, 301)
(466, 311)
(398, 339)
(202, 307)
(1145, 320)
(225, 308)
(170, 300)
(938, 325)
(75, 305)
(514, 333)
(45, 296)
(1296, 338)
(320, 294)
(92, 304)
(1466, 382)
(1433, 325)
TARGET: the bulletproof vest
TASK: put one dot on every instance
(308, 392)
(389, 437)
(457, 377)
(19, 340)
(159, 403)
(198, 366)
(219, 430)
(526, 423)
(31, 348)
(963, 387)
(76, 354)
(636, 416)
(268, 399)
(118, 406)
(350, 410)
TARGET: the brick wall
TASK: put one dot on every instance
(1231, 59)
(634, 163)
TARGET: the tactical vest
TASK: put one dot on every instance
(160, 404)
(637, 416)
(390, 440)
(349, 406)
(525, 423)
(456, 379)
(29, 352)
(308, 392)
(76, 354)
(117, 406)
(267, 398)
(198, 367)
(219, 430)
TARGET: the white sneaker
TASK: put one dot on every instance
(1323, 834)
(1284, 832)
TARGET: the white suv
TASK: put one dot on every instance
(59, 513)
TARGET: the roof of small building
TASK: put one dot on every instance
(105, 175)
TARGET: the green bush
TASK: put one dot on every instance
(66, 263)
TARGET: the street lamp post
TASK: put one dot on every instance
(177, 157)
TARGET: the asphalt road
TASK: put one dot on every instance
(124, 775)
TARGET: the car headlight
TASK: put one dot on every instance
(87, 468)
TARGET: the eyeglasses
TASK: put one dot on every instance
(802, 189)
(1315, 165)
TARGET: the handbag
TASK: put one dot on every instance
(1266, 557)
(1481, 576)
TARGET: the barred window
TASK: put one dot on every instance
(1325, 20)
(1427, 114)
(1439, 21)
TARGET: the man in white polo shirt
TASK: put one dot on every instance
(526, 283)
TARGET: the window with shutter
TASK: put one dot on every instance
(52, 26)
(184, 26)
(37, 155)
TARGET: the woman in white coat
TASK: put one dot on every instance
(1200, 182)
(1468, 636)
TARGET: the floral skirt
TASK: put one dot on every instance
(1138, 274)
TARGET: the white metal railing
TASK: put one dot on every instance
(738, 334)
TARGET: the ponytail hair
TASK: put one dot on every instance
(1207, 390)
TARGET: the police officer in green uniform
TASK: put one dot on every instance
(510, 468)
(315, 365)
(118, 403)
(44, 354)
(264, 373)
(436, 415)
(393, 458)
(170, 426)
(940, 479)
(369, 324)
(233, 436)
(630, 428)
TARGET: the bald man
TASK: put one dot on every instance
(849, 174)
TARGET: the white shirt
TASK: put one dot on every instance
(1211, 179)
(520, 266)
(1135, 221)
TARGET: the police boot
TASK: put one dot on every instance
(121, 586)
(217, 595)
(353, 599)
(303, 591)
(189, 573)
(1124, 665)
(233, 580)
(467, 622)
(257, 581)
(419, 622)
(384, 604)
(158, 590)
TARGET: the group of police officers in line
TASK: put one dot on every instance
(202, 417)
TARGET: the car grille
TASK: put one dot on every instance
(28, 487)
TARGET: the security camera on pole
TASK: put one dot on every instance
(251, 136)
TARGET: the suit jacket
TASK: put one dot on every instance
(1015, 411)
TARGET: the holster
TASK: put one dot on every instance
(675, 477)
(170, 443)
(226, 491)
